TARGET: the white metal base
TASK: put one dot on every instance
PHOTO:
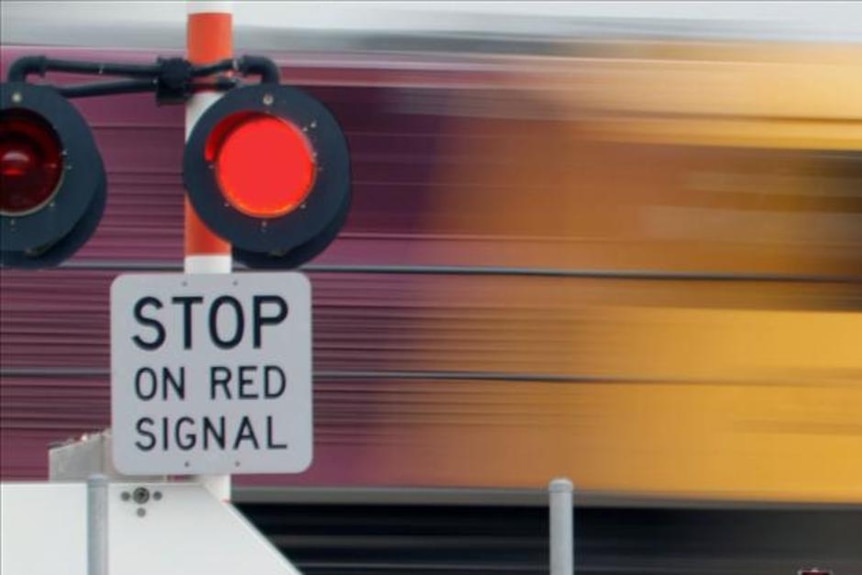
(88, 455)
(181, 529)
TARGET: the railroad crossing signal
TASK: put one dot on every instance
(266, 167)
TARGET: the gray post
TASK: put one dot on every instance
(97, 525)
(562, 527)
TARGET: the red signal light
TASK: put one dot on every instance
(31, 162)
(267, 168)
(264, 165)
(52, 179)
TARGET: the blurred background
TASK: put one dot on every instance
(616, 241)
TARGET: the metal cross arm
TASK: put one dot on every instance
(174, 80)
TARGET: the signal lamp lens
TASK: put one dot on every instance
(264, 165)
(31, 162)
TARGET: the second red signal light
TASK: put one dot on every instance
(267, 168)
(264, 165)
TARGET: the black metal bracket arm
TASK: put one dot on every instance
(173, 80)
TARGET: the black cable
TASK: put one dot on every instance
(105, 68)
(264, 67)
(107, 88)
(228, 65)
(21, 68)
(257, 65)
(221, 84)
(138, 86)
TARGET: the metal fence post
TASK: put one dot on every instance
(562, 527)
(97, 525)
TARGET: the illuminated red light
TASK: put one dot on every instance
(31, 162)
(264, 165)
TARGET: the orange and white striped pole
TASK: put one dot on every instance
(209, 38)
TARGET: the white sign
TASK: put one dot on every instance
(211, 373)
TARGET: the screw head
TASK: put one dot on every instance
(141, 495)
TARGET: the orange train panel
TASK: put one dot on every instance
(689, 403)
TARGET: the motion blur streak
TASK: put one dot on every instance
(657, 156)
(662, 157)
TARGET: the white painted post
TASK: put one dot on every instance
(208, 39)
(562, 527)
(97, 525)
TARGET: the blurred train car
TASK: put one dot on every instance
(706, 200)
(638, 264)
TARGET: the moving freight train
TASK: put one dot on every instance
(635, 262)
